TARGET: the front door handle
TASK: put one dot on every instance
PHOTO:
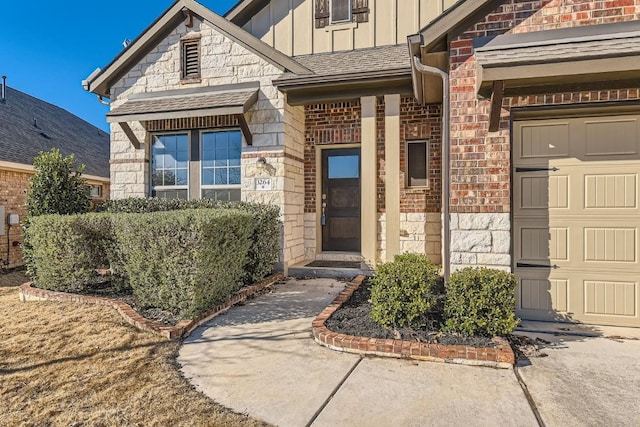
(323, 217)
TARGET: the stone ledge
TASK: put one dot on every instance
(181, 330)
(501, 356)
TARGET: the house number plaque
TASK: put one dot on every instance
(263, 184)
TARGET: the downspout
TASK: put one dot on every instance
(446, 178)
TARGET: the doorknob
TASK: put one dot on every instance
(323, 218)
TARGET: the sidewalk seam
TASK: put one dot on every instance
(529, 397)
(333, 393)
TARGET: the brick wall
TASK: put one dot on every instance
(480, 161)
(334, 123)
(421, 123)
(13, 196)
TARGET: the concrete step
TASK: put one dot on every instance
(338, 256)
(301, 270)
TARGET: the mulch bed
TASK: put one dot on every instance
(353, 318)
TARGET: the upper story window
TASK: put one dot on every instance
(190, 58)
(340, 11)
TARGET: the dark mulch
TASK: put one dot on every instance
(353, 318)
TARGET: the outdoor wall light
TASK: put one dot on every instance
(261, 161)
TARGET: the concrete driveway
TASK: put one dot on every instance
(585, 381)
(260, 359)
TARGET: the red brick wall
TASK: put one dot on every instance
(340, 123)
(480, 161)
(422, 123)
(334, 123)
(13, 196)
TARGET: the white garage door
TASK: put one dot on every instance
(577, 219)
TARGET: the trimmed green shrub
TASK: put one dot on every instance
(481, 301)
(65, 250)
(404, 291)
(184, 261)
(57, 187)
(265, 236)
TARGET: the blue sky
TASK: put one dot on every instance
(48, 47)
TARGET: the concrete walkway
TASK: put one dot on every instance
(260, 359)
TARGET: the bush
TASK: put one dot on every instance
(184, 261)
(404, 291)
(265, 236)
(57, 187)
(481, 301)
(65, 250)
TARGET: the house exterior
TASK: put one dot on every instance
(480, 133)
(28, 126)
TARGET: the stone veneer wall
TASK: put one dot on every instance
(277, 128)
(480, 161)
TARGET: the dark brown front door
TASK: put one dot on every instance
(340, 200)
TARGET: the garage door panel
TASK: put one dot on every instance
(610, 136)
(610, 298)
(543, 141)
(613, 191)
(608, 245)
(576, 210)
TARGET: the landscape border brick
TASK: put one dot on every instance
(500, 356)
(181, 330)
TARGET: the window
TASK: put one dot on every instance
(220, 172)
(417, 161)
(96, 191)
(340, 11)
(190, 59)
(197, 164)
(170, 166)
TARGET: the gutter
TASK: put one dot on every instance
(445, 148)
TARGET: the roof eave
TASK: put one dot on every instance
(100, 83)
(285, 84)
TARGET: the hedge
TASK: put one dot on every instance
(404, 291)
(64, 250)
(184, 261)
(265, 236)
(481, 301)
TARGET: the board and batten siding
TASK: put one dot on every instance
(289, 25)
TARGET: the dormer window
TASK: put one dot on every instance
(190, 55)
(340, 11)
(330, 12)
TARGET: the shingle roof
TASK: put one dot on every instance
(381, 58)
(21, 140)
(562, 45)
(185, 103)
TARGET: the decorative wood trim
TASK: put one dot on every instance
(132, 136)
(188, 17)
(497, 95)
(244, 127)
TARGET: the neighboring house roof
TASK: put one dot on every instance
(29, 125)
(228, 99)
(100, 82)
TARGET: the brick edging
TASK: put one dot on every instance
(181, 330)
(501, 356)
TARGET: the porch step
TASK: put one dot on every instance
(338, 256)
(338, 271)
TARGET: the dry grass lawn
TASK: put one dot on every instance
(66, 364)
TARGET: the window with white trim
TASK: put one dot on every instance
(417, 161)
(170, 166)
(95, 191)
(220, 170)
(340, 11)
